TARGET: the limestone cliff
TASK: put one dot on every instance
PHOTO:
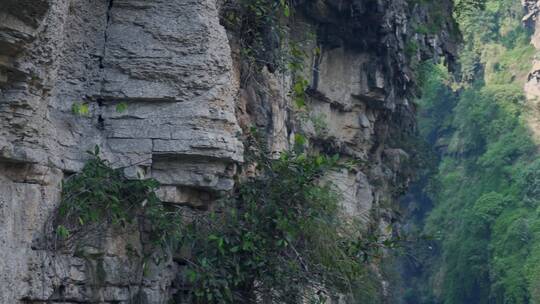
(180, 72)
(531, 87)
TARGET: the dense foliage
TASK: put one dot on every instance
(281, 238)
(484, 190)
(99, 197)
(261, 30)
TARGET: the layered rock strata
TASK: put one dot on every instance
(179, 72)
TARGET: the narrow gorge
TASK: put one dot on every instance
(477, 196)
(269, 151)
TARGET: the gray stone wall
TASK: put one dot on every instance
(179, 72)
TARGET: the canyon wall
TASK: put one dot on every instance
(181, 74)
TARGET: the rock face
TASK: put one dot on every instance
(532, 84)
(178, 71)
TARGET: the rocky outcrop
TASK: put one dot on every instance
(181, 76)
(532, 83)
(168, 60)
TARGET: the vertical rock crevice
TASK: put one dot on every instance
(105, 32)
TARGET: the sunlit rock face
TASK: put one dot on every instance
(179, 72)
(532, 83)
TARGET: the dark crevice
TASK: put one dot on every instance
(101, 100)
(101, 122)
(105, 34)
(316, 65)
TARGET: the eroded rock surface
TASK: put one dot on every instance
(532, 83)
(178, 71)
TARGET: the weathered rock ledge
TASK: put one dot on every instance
(178, 70)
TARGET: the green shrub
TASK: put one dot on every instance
(99, 197)
(282, 237)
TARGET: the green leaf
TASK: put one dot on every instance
(121, 107)
(287, 11)
(62, 231)
(299, 87)
(299, 139)
(80, 109)
(75, 108)
(192, 275)
(300, 102)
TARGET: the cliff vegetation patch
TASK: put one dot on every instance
(281, 236)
